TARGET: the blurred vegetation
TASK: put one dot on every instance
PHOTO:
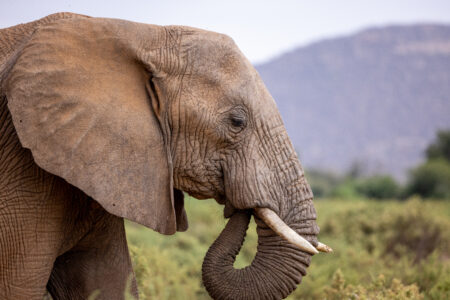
(430, 179)
(339, 289)
(382, 250)
(441, 147)
(325, 184)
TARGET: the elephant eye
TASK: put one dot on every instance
(237, 121)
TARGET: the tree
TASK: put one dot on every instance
(441, 147)
(432, 178)
(379, 187)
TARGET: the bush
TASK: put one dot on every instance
(326, 184)
(159, 276)
(378, 289)
(346, 190)
(441, 147)
(413, 232)
(378, 187)
(431, 179)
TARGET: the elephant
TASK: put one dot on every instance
(103, 120)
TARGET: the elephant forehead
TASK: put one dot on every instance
(239, 87)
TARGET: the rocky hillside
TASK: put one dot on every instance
(377, 97)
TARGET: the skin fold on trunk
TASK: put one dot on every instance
(275, 272)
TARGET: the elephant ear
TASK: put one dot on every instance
(79, 101)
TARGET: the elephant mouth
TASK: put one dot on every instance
(274, 222)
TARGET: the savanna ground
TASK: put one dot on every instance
(382, 250)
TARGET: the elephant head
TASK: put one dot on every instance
(133, 114)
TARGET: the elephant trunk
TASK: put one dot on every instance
(275, 272)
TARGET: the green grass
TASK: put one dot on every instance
(382, 250)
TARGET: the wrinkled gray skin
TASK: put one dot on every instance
(130, 115)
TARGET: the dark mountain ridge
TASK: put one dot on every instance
(376, 97)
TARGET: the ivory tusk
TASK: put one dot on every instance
(276, 224)
(323, 248)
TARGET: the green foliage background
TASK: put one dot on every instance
(429, 180)
(382, 250)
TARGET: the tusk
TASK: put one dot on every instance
(323, 248)
(276, 224)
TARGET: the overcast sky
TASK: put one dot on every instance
(262, 29)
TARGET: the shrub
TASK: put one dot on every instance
(413, 231)
(160, 277)
(441, 147)
(378, 289)
(346, 190)
(431, 179)
(379, 187)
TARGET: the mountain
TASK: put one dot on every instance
(376, 97)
